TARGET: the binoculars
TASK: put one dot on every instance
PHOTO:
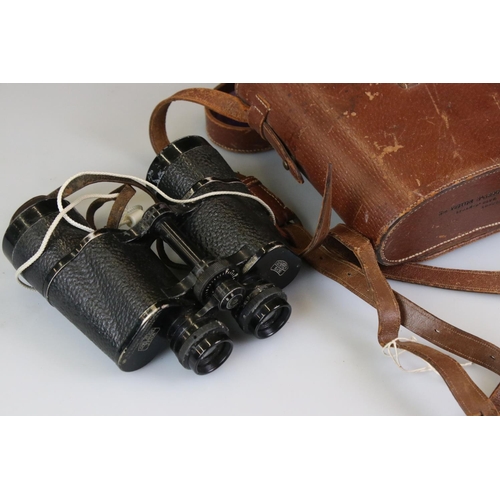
(132, 302)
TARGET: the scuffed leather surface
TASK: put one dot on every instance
(392, 148)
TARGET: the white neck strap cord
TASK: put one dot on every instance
(154, 188)
(63, 211)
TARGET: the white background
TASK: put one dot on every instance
(227, 458)
(325, 361)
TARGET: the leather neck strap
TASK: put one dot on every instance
(221, 102)
(235, 137)
(348, 258)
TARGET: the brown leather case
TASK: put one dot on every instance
(413, 170)
(416, 168)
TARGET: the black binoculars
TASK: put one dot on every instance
(133, 303)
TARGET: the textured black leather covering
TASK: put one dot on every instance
(64, 239)
(106, 287)
(188, 168)
(220, 225)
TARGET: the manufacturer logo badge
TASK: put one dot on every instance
(280, 267)
(148, 338)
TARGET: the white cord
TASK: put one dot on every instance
(395, 356)
(152, 186)
(51, 230)
(63, 211)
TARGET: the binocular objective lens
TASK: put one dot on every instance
(270, 318)
(210, 354)
(264, 312)
(200, 344)
(275, 319)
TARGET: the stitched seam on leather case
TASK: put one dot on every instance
(456, 184)
(258, 110)
(223, 146)
(440, 244)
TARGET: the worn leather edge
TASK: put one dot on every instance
(391, 226)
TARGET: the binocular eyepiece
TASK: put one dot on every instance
(229, 228)
(220, 282)
(131, 302)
